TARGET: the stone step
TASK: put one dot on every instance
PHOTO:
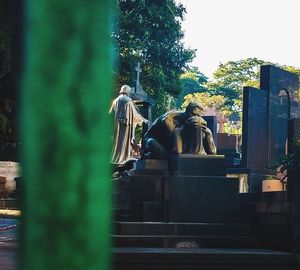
(176, 241)
(161, 228)
(275, 236)
(199, 258)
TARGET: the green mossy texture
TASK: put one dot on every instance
(66, 134)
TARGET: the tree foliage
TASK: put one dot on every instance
(149, 32)
(193, 81)
(205, 99)
(230, 78)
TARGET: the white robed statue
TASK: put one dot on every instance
(126, 120)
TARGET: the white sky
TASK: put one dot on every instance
(224, 30)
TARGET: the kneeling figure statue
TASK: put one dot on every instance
(178, 133)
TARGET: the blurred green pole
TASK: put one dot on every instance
(66, 132)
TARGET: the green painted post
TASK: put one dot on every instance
(66, 133)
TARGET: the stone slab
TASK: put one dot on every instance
(202, 199)
(255, 131)
(196, 165)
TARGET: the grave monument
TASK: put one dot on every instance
(266, 113)
(180, 178)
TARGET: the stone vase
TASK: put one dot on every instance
(272, 185)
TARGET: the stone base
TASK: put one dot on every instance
(146, 188)
(202, 199)
(156, 167)
(151, 164)
(196, 165)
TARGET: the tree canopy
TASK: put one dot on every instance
(193, 81)
(230, 78)
(228, 81)
(149, 32)
(205, 99)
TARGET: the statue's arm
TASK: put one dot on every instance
(112, 107)
(209, 144)
(137, 117)
(170, 124)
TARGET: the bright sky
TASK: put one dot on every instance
(224, 30)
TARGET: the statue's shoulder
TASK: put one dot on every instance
(172, 119)
(171, 115)
(125, 98)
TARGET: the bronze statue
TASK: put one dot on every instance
(177, 133)
(126, 120)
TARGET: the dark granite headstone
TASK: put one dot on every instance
(282, 87)
(255, 133)
(212, 125)
(265, 119)
(293, 187)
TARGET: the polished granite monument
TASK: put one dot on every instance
(180, 178)
(266, 112)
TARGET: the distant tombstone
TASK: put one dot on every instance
(221, 120)
(212, 125)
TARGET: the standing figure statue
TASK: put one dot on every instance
(178, 133)
(126, 120)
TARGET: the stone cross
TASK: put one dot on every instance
(221, 121)
(138, 71)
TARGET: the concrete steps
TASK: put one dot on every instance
(201, 259)
(172, 235)
(173, 241)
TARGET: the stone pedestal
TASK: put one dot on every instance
(188, 164)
